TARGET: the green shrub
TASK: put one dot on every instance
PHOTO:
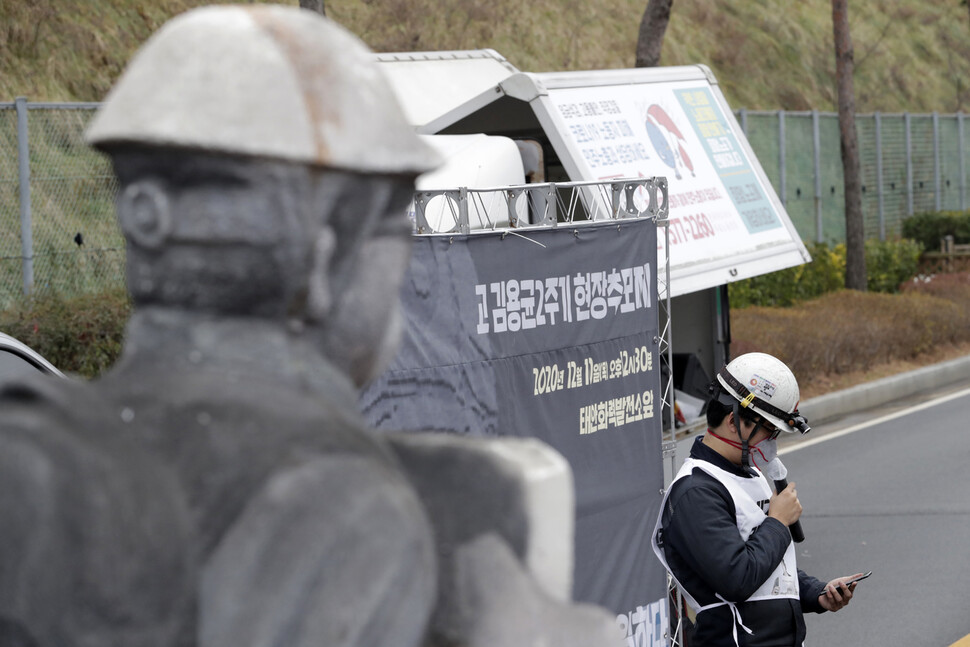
(888, 264)
(787, 287)
(81, 335)
(928, 228)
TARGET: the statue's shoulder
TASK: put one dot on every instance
(70, 421)
(82, 502)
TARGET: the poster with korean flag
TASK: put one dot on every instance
(726, 221)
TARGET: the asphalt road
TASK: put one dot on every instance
(891, 497)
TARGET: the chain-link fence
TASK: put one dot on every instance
(909, 164)
(59, 230)
(59, 192)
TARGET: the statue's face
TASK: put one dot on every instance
(211, 233)
(359, 321)
(243, 237)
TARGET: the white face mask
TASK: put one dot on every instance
(763, 452)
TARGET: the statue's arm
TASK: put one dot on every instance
(93, 546)
(336, 551)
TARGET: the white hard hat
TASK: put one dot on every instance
(764, 384)
(266, 81)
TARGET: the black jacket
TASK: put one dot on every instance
(704, 549)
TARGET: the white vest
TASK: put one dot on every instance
(746, 492)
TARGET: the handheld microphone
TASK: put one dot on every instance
(777, 472)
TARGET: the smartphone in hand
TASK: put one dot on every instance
(855, 579)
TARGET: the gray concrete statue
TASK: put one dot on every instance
(218, 486)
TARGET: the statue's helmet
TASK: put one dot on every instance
(264, 81)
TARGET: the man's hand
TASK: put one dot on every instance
(785, 507)
(836, 594)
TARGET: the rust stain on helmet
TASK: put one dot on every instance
(311, 71)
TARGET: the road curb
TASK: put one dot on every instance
(878, 392)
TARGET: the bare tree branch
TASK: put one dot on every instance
(872, 48)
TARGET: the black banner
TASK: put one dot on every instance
(551, 334)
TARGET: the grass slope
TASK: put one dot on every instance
(911, 55)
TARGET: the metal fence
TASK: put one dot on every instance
(59, 230)
(909, 164)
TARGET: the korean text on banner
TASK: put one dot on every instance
(551, 334)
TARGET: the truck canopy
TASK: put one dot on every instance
(726, 221)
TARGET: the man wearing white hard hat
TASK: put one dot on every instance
(724, 535)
